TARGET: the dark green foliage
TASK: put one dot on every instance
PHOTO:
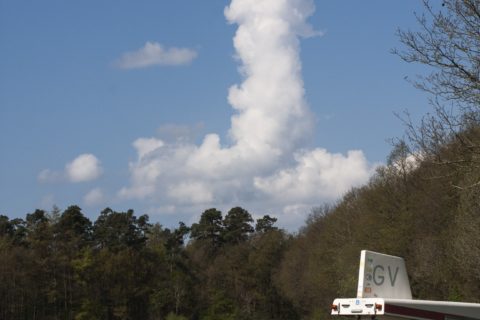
(265, 224)
(237, 225)
(209, 229)
(74, 227)
(119, 230)
(6, 227)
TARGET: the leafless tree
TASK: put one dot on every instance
(448, 42)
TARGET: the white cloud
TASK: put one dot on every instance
(94, 197)
(318, 174)
(146, 145)
(265, 166)
(49, 176)
(161, 210)
(193, 192)
(85, 167)
(153, 53)
(410, 163)
(180, 133)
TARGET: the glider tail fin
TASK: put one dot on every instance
(382, 275)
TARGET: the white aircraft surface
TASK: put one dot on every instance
(384, 293)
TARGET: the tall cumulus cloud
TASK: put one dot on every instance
(264, 167)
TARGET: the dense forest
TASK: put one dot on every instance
(423, 205)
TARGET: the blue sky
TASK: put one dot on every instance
(71, 109)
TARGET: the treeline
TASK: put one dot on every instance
(60, 265)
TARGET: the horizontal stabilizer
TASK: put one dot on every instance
(406, 309)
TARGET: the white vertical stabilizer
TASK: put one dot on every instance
(384, 276)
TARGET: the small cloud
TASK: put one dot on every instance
(153, 53)
(172, 133)
(49, 176)
(86, 167)
(328, 117)
(139, 192)
(146, 145)
(409, 164)
(94, 197)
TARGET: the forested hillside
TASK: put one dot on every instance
(423, 205)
